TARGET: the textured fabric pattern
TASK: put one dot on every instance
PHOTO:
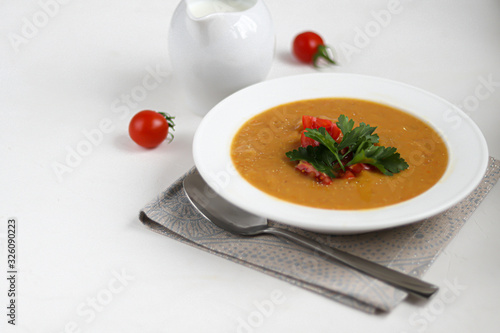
(410, 249)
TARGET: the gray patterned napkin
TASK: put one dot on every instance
(410, 249)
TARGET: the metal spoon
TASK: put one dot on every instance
(230, 218)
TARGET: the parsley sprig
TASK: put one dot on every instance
(359, 142)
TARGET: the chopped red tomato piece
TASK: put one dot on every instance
(307, 168)
(308, 121)
(323, 123)
(348, 175)
(336, 133)
(305, 141)
(330, 126)
(358, 167)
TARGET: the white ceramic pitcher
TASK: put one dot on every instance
(218, 47)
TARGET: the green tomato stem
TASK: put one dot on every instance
(171, 124)
(323, 53)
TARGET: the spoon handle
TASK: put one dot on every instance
(396, 279)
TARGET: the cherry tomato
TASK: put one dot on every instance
(309, 47)
(150, 128)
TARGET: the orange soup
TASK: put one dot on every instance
(258, 153)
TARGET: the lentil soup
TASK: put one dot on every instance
(258, 153)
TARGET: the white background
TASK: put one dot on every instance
(79, 230)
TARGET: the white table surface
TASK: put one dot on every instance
(78, 232)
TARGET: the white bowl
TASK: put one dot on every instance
(468, 152)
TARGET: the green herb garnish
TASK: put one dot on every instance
(357, 146)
